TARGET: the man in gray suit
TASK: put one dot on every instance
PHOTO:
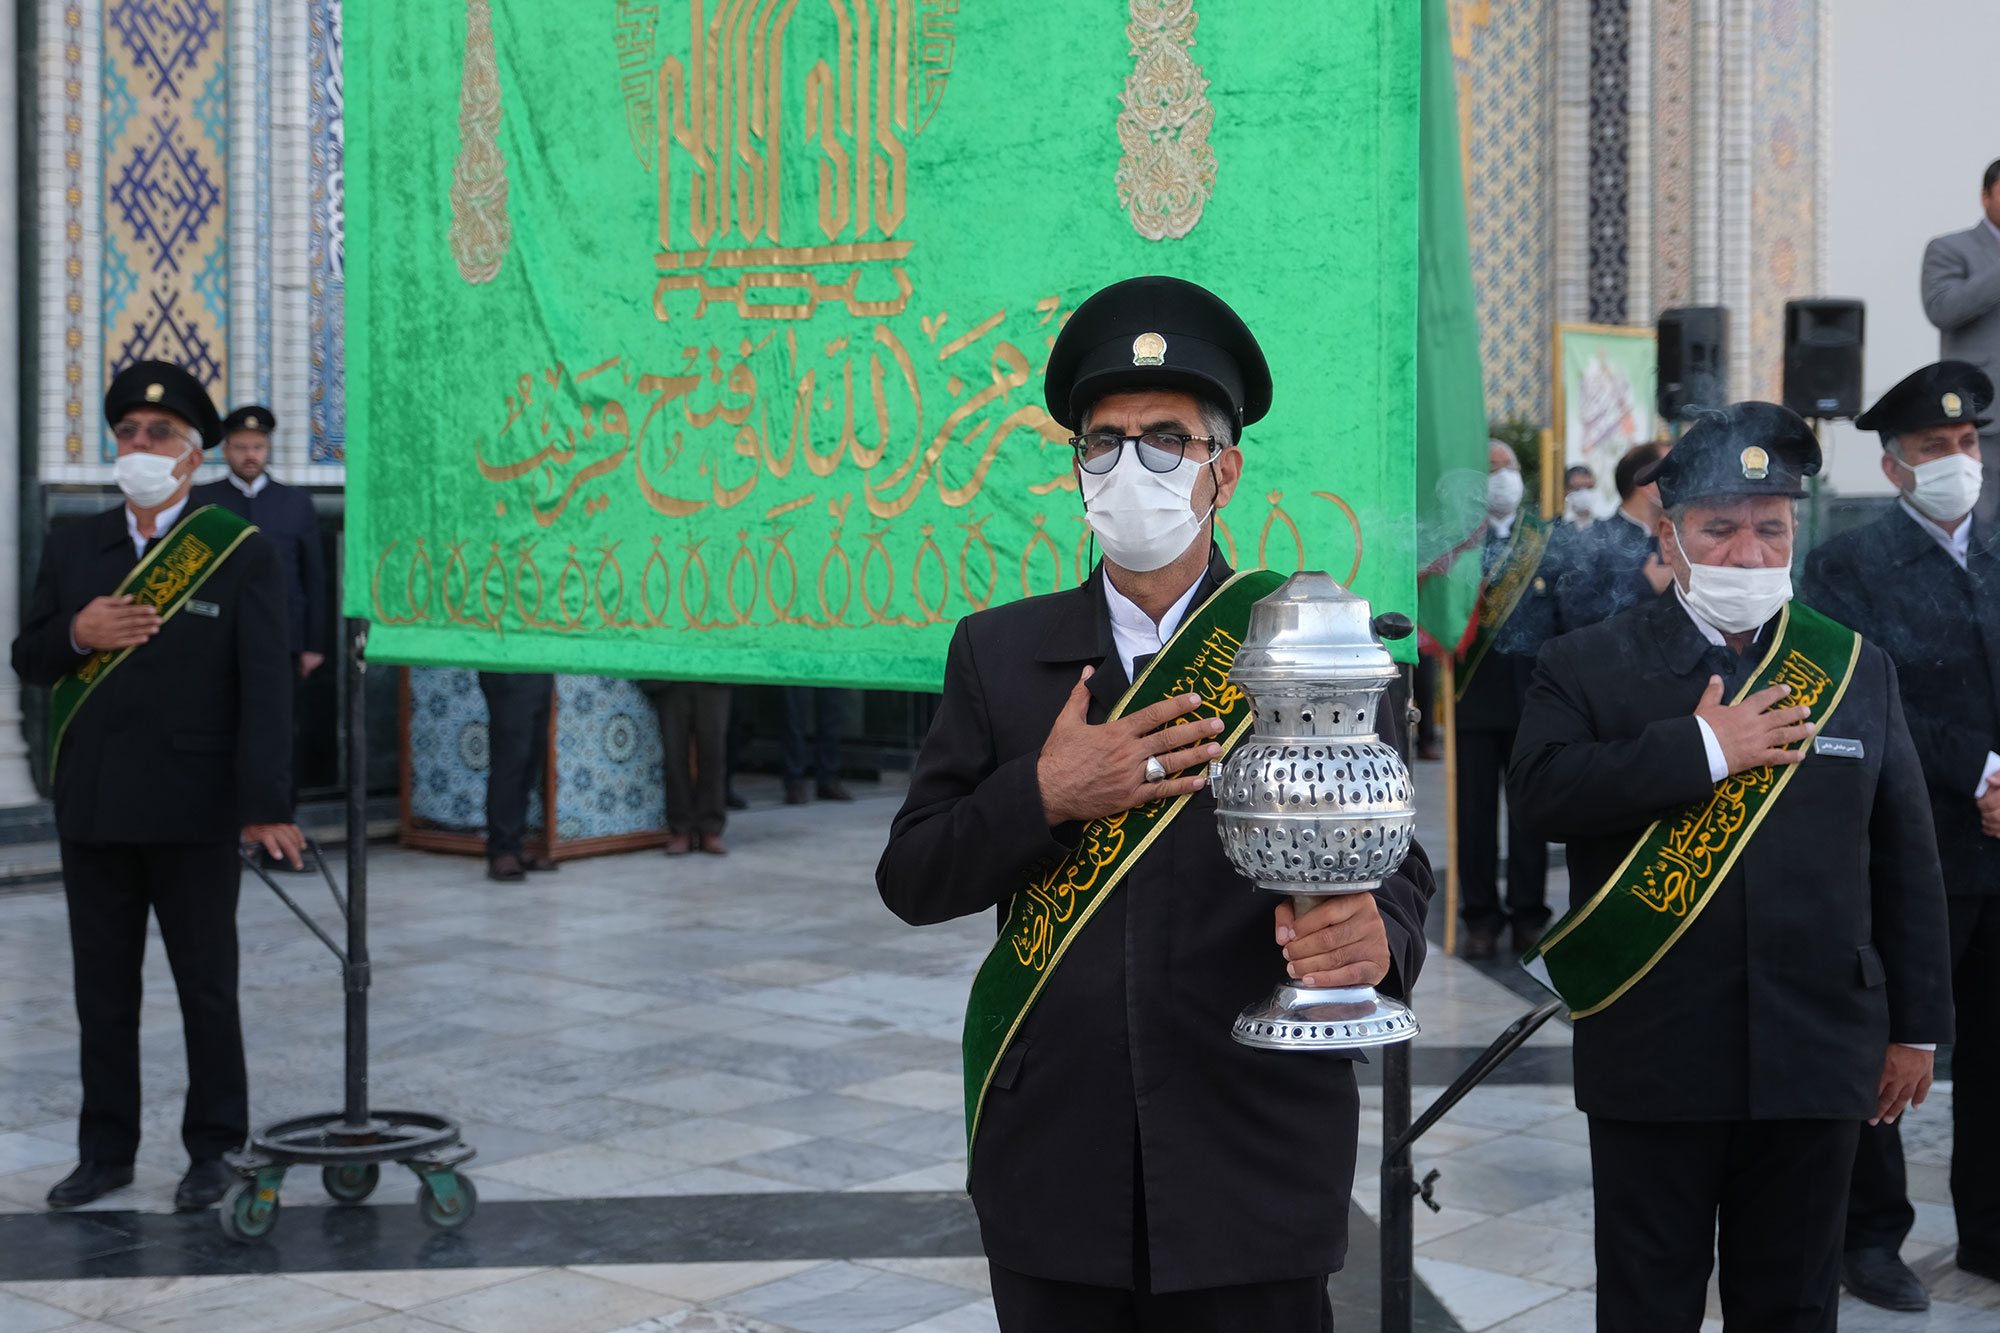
(1962, 297)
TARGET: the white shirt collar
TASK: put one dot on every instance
(1640, 524)
(1708, 631)
(163, 523)
(249, 488)
(1500, 527)
(1133, 632)
(1955, 544)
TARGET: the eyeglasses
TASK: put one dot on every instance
(1159, 451)
(156, 432)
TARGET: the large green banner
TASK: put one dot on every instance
(705, 340)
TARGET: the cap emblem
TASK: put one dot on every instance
(1952, 405)
(155, 392)
(1756, 464)
(253, 423)
(1149, 349)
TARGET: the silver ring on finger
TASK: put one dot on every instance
(1155, 770)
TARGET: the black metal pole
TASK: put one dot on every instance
(1399, 1189)
(357, 874)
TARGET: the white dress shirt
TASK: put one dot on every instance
(1133, 632)
(163, 523)
(250, 488)
(1500, 526)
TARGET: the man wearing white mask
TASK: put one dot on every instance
(1133, 1167)
(1516, 614)
(160, 629)
(1756, 954)
(1923, 581)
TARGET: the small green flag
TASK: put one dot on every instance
(1451, 396)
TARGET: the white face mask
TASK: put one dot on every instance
(1945, 488)
(1734, 600)
(1579, 503)
(1143, 519)
(147, 479)
(1503, 492)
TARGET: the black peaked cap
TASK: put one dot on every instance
(1743, 449)
(1944, 393)
(1156, 333)
(168, 387)
(250, 416)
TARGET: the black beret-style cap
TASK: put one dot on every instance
(1156, 333)
(166, 386)
(1742, 449)
(251, 416)
(1944, 393)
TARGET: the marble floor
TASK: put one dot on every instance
(707, 1094)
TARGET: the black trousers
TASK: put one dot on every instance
(699, 712)
(1879, 1214)
(823, 709)
(1768, 1194)
(191, 887)
(1482, 767)
(517, 749)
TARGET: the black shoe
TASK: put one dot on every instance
(732, 801)
(1978, 1264)
(505, 869)
(205, 1182)
(797, 793)
(1877, 1276)
(1480, 945)
(1526, 937)
(835, 790)
(90, 1180)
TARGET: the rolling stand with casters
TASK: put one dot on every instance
(349, 1146)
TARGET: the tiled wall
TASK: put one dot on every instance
(170, 213)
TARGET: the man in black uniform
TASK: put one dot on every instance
(1516, 612)
(1923, 581)
(1133, 1167)
(1756, 953)
(284, 514)
(171, 706)
(1616, 563)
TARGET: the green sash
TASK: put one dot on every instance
(1504, 586)
(178, 564)
(1599, 951)
(1047, 914)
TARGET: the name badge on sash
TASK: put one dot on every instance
(1837, 747)
(201, 608)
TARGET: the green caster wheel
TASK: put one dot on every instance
(248, 1212)
(350, 1184)
(446, 1200)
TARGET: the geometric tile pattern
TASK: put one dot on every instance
(1610, 71)
(77, 385)
(1505, 65)
(607, 755)
(1784, 93)
(326, 306)
(1673, 148)
(165, 186)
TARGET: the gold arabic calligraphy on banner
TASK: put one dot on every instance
(1694, 847)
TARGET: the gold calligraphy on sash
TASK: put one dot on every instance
(1051, 902)
(177, 568)
(480, 229)
(1692, 848)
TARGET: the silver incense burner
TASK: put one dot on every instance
(1312, 802)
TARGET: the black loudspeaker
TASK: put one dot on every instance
(1823, 341)
(1694, 360)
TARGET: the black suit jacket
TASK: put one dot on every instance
(189, 739)
(1940, 624)
(1826, 940)
(1248, 1155)
(1604, 573)
(1492, 697)
(284, 514)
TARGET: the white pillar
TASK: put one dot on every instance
(16, 786)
